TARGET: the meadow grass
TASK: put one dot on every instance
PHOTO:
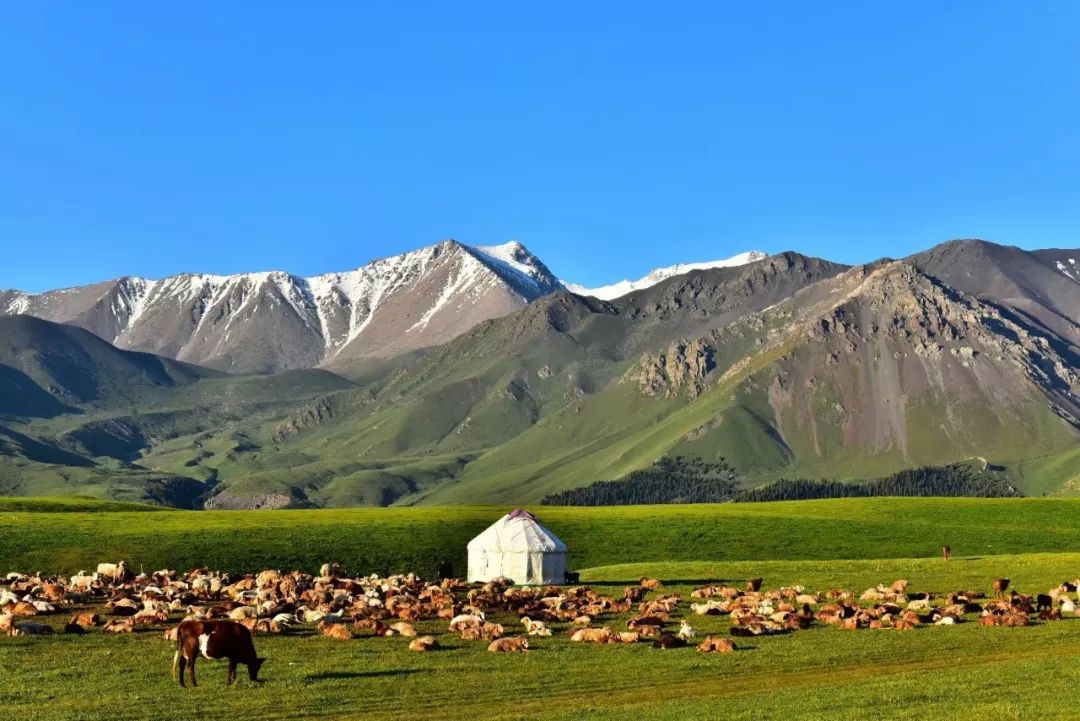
(961, 672)
(966, 671)
(402, 539)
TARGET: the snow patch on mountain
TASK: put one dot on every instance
(1069, 270)
(616, 290)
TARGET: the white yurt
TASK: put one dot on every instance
(516, 546)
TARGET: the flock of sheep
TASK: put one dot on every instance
(505, 617)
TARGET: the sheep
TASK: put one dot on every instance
(116, 625)
(686, 631)
(535, 628)
(113, 571)
(669, 640)
(336, 630)
(423, 644)
(465, 620)
(716, 644)
(404, 629)
(510, 644)
(1000, 585)
(31, 628)
(591, 635)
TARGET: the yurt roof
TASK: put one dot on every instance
(517, 531)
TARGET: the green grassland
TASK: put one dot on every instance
(960, 672)
(400, 539)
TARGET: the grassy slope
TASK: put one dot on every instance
(396, 539)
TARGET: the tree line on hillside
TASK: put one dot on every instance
(668, 480)
(692, 480)
(953, 480)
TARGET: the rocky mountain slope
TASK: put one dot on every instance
(268, 322)
(787, 366)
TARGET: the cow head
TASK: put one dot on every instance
(253, 669)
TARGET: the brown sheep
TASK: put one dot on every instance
(119, 626)
(86, 620)
(650, 584)
(336, 630)
(591, 635)
(405, 629)
(511, 644)
(754, 585)
(423, 644)
(1000, 585)
(716, 644)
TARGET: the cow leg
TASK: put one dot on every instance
(232, 672)
(193, 660)
(179, 666)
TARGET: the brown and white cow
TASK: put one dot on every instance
(215, 640)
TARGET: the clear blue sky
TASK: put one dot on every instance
(609, 137)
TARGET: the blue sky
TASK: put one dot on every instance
(155, 138)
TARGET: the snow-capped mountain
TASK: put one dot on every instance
(271, 321)
(616, 290)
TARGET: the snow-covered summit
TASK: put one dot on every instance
(616, 290)
(273, 320)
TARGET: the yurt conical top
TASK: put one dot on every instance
(517, 547)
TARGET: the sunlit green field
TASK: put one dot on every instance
(966, 671)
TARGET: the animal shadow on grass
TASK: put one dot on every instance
(342, 675)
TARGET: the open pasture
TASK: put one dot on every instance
(962, 671)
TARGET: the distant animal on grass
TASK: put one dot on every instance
(215, 640)
(112, 571)
(572, 577)
(716, 644)
(335, 630)
(510, 644)
(649, 584)
(669, 640)
(116, 625)
(754, 585)
(946, 552)
(423, 643)
(1000, 585)
(31, 628)
(686, 631)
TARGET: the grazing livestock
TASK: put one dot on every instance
(112, 571)
(591, 635)
(669, 640)
(1000, 584)
(754, 585)
(650, 584)
(423, 643)
(686, 631)
(716, 644)
(535, 628)
(335, 630)
(215, 640)
(946, 552)
(31, 628)
(116, 625)
(572, 577)
(403, 628)
(510, 644)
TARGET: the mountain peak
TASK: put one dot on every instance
(616, 290)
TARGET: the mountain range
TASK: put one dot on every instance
(459, 374)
